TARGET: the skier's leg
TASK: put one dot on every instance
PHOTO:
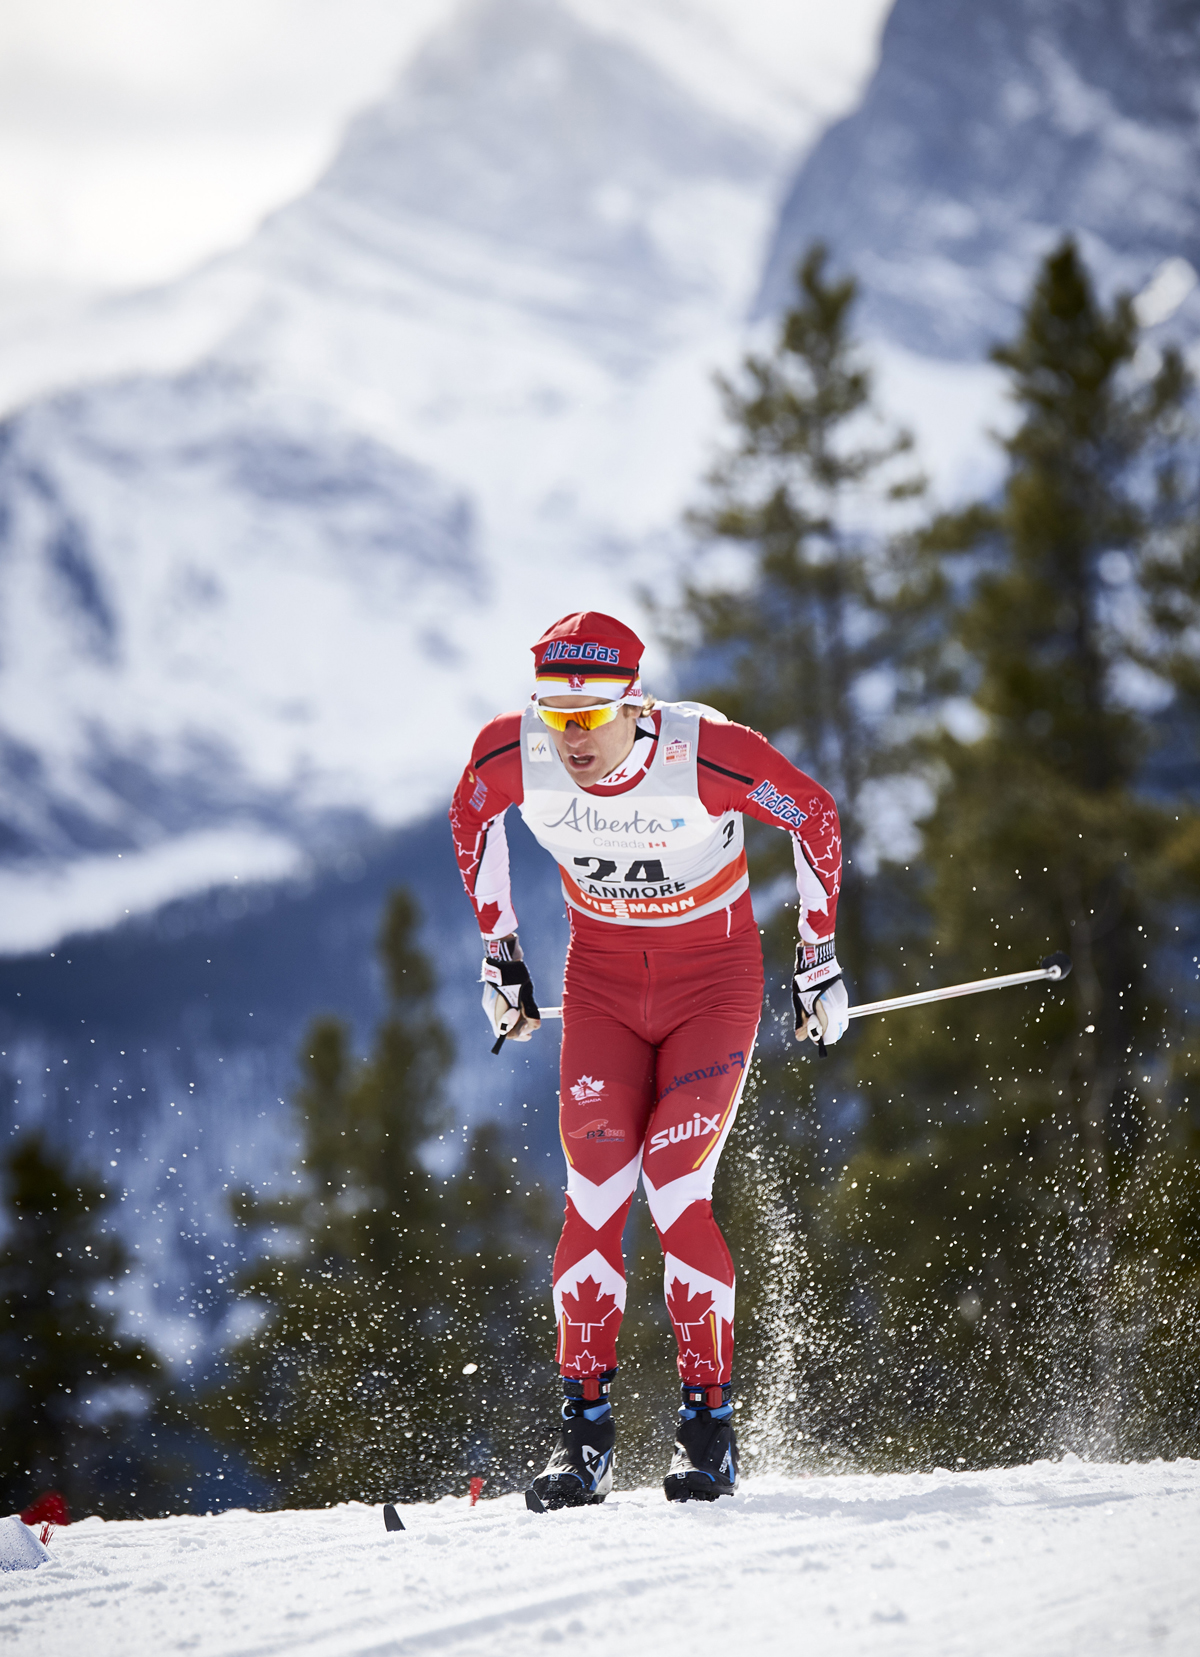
(687, 1134)
(702, 1066)
(606, 1098)
(701, 1069)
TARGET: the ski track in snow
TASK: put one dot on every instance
(1056, 1558)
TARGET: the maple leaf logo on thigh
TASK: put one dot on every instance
(587, 1091)
(688, 1311)
(588, 1308)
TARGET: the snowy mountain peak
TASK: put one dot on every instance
(520, 136)
(987, 132)
(520, 123)
(429, 407)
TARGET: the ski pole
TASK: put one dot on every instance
(1053, 970)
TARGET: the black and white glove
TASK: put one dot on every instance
(508, 993)
(819, 995)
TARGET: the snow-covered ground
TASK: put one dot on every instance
(1054, 1559)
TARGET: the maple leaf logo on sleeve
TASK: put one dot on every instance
(688, 1311)
(588, 1308)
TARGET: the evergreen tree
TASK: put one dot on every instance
(355, 1385)
(828, 642)
(1024, 1205)
(69, 1382)
(824, 644)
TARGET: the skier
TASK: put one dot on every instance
(641, 804)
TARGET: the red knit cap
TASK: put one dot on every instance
(588, 654)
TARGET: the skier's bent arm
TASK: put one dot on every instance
(489, 785)
(741, 771)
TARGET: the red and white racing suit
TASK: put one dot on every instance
(663, 989)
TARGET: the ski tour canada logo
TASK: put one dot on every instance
(587, 1091)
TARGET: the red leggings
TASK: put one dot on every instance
(656, 1047)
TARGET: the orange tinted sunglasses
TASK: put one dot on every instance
(588, 719)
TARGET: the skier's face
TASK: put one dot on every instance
(591, 755)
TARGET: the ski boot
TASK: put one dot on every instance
(705, 1463)
(580, 1469)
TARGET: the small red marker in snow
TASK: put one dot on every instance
(477, 1485)
(48, 1511)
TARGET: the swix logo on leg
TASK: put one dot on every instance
(696, 1125)
(587, 1091)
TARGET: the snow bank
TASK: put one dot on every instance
(1055, 1558)
(20, 1549)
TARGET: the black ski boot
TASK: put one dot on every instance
(580, 1469)
(705, 1463)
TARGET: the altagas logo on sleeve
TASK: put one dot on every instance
(779, 805)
